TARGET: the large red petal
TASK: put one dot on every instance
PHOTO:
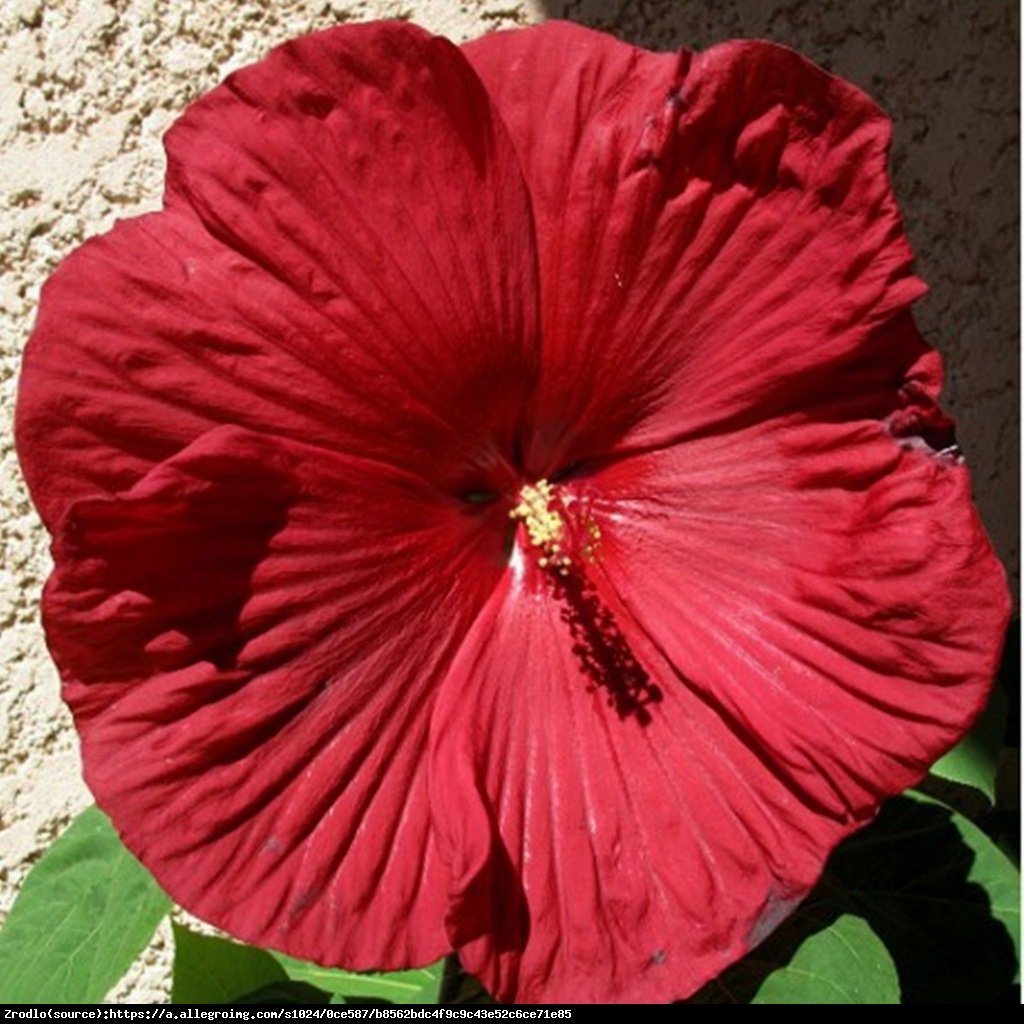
(780, 627)
(600, 850)
(250, 640)
(827, 589)
(716, 231)
(346, 257)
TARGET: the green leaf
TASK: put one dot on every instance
(972, 762)
(931, 886)
(817, 956)
(285, 993)
(416, 986)
(85, 912)
(845, 963)
(941, 895)
(208, 969)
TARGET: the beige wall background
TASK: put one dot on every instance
(87, 89)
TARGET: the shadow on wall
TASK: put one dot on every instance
(947, 73)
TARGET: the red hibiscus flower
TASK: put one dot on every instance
(500, 503)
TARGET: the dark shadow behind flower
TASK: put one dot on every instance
(654, 307)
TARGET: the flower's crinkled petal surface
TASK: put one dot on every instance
(346, 259)
(769, 642)
(250, 640)
(716, 232)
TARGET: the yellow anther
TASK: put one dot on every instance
(544, 525)
(592, 546)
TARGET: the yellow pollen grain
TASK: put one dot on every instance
(544, 525)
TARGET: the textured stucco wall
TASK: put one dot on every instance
(87, 88)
